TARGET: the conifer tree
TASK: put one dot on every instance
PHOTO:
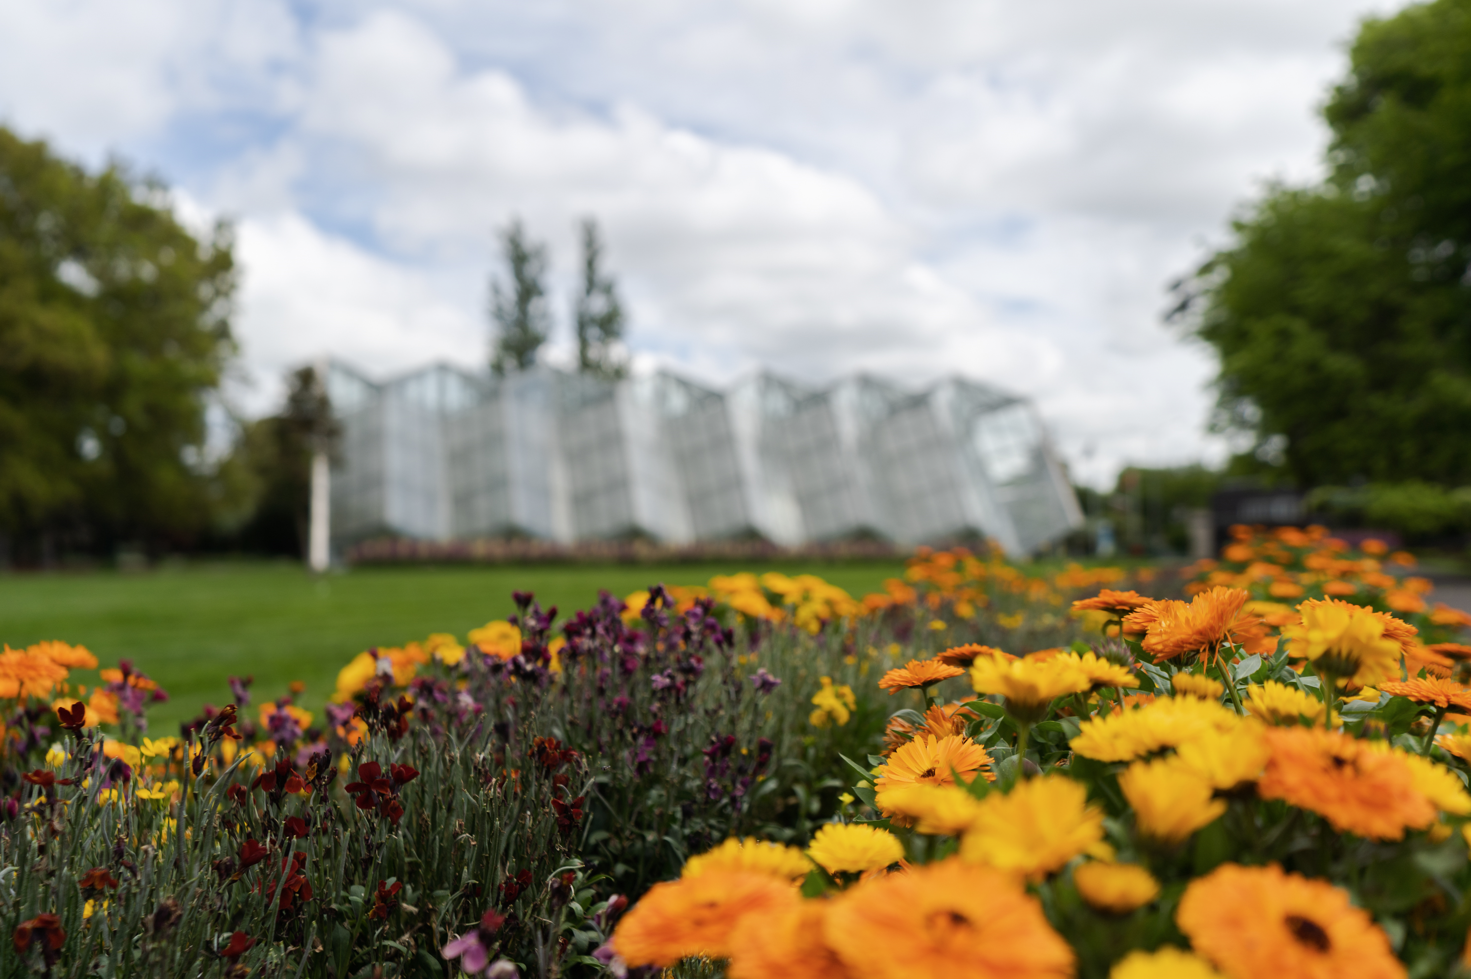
(518, 310)
(599, 313)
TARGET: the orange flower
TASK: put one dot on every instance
(1116, 602)
(1445, 615)
(964, 656)
(1357, 789)
(1259, 921)
(1419, 658)
(76, 657)
(696, 916)
(945, 920)
(1451, 650)
(134, 680)
(1437, 691)
(918, 673)
(24, 673)
(1210, 619)
(784, 942)
(103, 706)
(933, 761)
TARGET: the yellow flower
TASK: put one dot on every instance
(1193, 685)
(1170, 800)
(1028, 685)
(750, 855)
(1101, 672)
(833, 704)
(1454, 744)
(931, 760)
(1437, 783)
(130, 755)
(445, 648)
(854, 847)
(499, 639)
(354, 676)
(167, 790)
(56, 756)
(1351, 641)
(158, 747)
(933, 809)
(1157, 725)
(1115, 887)
(1277, 703)
(1037, 827)
(1227, 759)
(1165, 962)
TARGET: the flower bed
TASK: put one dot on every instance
(501, 802)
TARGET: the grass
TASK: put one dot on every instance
(190, 627)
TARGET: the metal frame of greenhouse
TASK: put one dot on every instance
(443, 453)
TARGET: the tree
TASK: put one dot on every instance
(599, 313)
(1342, 313)
(519, 310)
(114, 334)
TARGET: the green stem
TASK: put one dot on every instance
(1430, 735)
(1328, 680)
(1230, 679)
(1023, 735)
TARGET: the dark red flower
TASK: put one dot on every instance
(296, 827)
(491, 921)
(569, 814)
(369, 786)
(237, 793)
(251, 853)
(385, 900)
(240, 943)
(73, 718)
(97, 879)
(403, 774)
(513, 886)
(43, 929)
(392, 810)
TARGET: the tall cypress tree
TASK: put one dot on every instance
(599, 312)
(518, 310)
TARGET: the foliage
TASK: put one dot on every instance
(599, 313)
(1193, 793)
(114, 333)
(518, 310)
(1418, 510)
(1339, 313)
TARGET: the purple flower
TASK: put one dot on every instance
(764, 682)
(467, 948)
(502, 969)
(663, 681)
(611, 960)
(240, 690)
(340, 714)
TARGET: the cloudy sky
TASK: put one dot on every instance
(998, 189)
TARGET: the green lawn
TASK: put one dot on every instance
(190, 627)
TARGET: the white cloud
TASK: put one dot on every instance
(979, 186)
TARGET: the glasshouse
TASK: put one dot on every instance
(443, 453)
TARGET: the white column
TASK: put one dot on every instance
(319, 533)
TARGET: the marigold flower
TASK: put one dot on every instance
(499, 639)
(1455, 744)
(1277, 703)
(932, 809)
(946, 920)
(1165, 962)
(1159, 724)
(834, 703)
(784, 943)
(1171, 800)
(1437, 783)
(918, 673)
(1259, 921)
(1108, 600)
(24, 673)
(1028, 685)
(1227, 760)
(1034, 829)
(1353, 642)
(1418, 657)
(964, 656)
(1451, 650)
(1195, 685)
(1101, 672)
(1431, 690)
(750, 855)
(1355, 787)
(695, 916)
(1211, 619)
(941, 720)
(1117, 888)
(76, 657)
(932, 760)
(854, 848)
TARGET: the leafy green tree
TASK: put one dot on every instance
(599, 313)
(519, 310)
(1342, 314)
(114, 334)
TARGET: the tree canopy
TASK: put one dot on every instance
(518, 308)
(114, 334)
(599, 312)
(1342, 311)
